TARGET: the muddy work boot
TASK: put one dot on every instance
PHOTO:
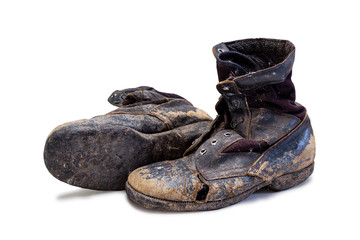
(260, 138)
(100, 152)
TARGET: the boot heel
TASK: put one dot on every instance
(291, 179)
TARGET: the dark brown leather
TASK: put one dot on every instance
(293, 152)
(139, 96)
(265, 125)
(261, 137)
(278, 67)
(171, 113)
(272, 75)
(226, 175)
(212, 163)
(270, 126)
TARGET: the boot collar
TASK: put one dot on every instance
(253, 63)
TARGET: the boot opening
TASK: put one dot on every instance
(251, 55)
(256, 54)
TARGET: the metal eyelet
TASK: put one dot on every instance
(226, 88)
(203, 151)
(227, 134)
(220, 50)
(214, 142)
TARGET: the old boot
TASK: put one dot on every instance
(261, 136)
(100, 152)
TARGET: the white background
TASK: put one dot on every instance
(60, 60)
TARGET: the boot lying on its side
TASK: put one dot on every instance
(260, 138)
(100, 152)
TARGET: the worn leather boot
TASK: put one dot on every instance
(100, 152)
(260, 138)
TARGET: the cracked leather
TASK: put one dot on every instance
(285, 141)
(265, 125)
(152, 115)
(284, 157)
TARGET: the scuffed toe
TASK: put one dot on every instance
(168, 180)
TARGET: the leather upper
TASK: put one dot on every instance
(265, 125)
(253, 63)
(150, 111)
(260, 133)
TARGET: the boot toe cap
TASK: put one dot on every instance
(168, 180)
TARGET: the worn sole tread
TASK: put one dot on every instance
(102, 157)
(92, 158)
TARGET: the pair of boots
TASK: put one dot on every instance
(260, 138)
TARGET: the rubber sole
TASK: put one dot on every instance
(101, 157)
(281, 183)
(92, 158)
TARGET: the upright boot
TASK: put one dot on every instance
(260, 138)
(100, 152)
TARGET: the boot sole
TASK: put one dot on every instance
(281, 183)
(101, 158)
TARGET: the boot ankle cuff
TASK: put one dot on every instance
(254, 63)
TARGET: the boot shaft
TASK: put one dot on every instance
(255, 74)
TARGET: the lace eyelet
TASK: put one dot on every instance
(203, 151)
(214, 142)
(227, 134)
